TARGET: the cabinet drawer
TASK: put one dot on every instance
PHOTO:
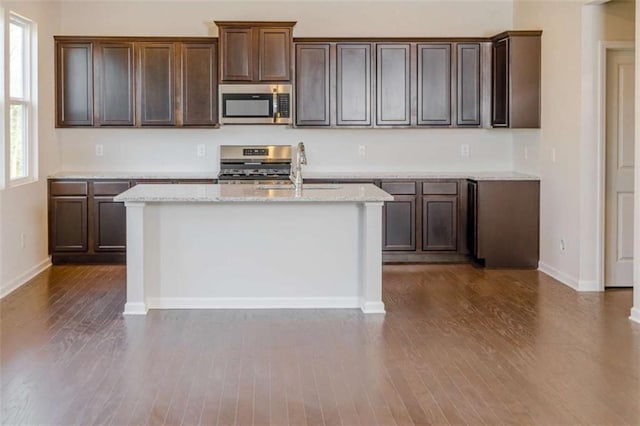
(68, 188)
(399, 188)
(110, 188)
(440, 188)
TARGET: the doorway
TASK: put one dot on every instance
(619, 167)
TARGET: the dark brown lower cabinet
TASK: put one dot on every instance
(504, 223)
(439, 222)
(110, 225)
(424, 221)
(399, 218)
(85, 224)
(68, 231)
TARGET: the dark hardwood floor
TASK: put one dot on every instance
(458, 345)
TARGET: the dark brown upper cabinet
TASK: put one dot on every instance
(468, 101)
(199, 84)
(434, 84)
(393, 84)
(255, 51)
(353, 81)
(157, 69)
(74, 83)
(136, 81)
(115, 86)
(236, 54)
(312, 84)
(516, 79)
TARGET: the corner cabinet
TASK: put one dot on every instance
(255, 52)
(137, 81)
(516, 75)
(503, 223)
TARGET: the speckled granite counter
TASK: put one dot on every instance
(132, 175)
(482, 176)
(358, 193)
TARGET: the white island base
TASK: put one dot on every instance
(238, 247)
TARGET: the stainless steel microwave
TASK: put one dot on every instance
(255, 103)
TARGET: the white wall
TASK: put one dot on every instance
(572, 32)
(329, 150)
(23, 209)
(635, 311)
(560, 131)
(610, 22)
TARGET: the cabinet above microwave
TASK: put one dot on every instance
(252, 52)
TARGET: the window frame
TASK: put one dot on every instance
(27, 101)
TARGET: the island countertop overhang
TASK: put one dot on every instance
(215, 193)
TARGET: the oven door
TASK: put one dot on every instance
(249, 108)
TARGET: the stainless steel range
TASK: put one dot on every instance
(259, 164)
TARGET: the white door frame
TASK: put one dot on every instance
(605, 48)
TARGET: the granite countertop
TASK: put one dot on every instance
(422, 175)
(480, 176)
(208, 193)
(133, 175)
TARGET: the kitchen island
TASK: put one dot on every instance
(249, 246)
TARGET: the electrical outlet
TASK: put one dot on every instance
(563, 245)
(362, 151)
(553, 155)
(201, 150)
(526, 153)
(465, 151)
(23, 242)
(99, 150)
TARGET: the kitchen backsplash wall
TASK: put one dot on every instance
(329, 150)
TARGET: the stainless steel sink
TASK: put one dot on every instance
(309, 186)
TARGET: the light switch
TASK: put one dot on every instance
(99, 150)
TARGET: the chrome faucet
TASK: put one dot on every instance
(296, 174)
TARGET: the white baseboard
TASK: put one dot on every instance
(19, 281)
(135, 309)
(559, 276)
(635, 315)
(252, 302)
(372, 307)
(584, 285)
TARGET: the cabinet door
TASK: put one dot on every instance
(399, 224)
(312, 85)
(275, 54)
(68, 223)
(236, 54)
(199, 84)
(74, 84)
(157, 88)
(500, 94)
(115, 84)
(439, 223)
(434, 84)
(468, 76)
(393, 85)
(110, 226)
(353, 101)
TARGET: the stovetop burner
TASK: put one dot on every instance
(254, 162)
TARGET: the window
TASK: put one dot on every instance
(20, 119)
